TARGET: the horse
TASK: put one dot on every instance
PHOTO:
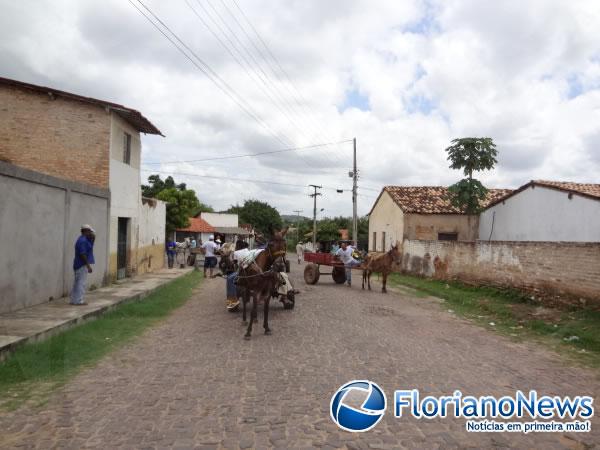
(260, 279)
(381, 263)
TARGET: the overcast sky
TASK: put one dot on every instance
(404, 77)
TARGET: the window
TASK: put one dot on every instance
(447, 236)
(127, 148)
(383, 241)
(374, 247)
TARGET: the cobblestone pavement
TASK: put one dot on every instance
(193, 382)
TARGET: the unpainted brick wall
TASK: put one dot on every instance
(567, 268)
(59, 137)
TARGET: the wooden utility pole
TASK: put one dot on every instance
(314, 196)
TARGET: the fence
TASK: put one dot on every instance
(562, 268)
(40, 219)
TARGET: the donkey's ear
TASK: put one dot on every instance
(284, 231)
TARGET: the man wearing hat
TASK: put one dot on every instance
(82, 264)
(210, 259)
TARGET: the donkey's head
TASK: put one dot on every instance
(277, 245)
(396, 253)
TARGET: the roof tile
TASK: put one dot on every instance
(198, 225)
(432, 199)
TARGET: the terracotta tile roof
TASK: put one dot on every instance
(589, 189)
(431, 199)
(198, 225)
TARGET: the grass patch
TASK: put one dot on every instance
(35, 369)
(513, 313)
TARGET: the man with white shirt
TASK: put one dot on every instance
(345, 255)
(210, 259)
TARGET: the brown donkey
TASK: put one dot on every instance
(260, 279)
(381, 263)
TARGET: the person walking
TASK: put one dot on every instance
(171, 246)
(300, 252)
(345, 255)
(82, 263)
(210, 259)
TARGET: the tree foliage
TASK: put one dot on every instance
(262, 216)
(470, 155)
(182, 203)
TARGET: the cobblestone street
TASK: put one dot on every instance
(193, 382)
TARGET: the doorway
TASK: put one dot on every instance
(122, 247)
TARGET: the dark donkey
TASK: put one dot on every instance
(260, 279)
(381, 263)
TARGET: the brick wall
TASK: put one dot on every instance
(563, 268)
(54, 136)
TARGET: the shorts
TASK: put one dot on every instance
(210, 262)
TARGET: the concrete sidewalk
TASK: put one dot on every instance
(39, 322)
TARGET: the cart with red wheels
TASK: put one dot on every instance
(312, 271)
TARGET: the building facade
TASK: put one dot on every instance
(420, 212)
(95, 143)
(548, 211)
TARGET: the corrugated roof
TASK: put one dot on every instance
(198, 225)
(430, 199)
(133, 117)
(589, 190)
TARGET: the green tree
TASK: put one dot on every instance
(262, 216)
(328, 230)
(180, 206)
(182, 203)
(470, 155)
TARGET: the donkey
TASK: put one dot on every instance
(261, 278)
(381, 263)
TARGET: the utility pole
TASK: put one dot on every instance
(314, 196)
(354, 198)
(298, 211)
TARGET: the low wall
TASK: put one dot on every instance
(561, 268)
(40, 220)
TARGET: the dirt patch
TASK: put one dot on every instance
(382, 311)
(524, 313)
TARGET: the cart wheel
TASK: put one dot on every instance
(339, 275)
(311, 273)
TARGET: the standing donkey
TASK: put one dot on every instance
(381, 263)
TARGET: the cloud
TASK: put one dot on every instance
(403, 77)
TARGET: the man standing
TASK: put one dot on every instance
(170, 252)
(210, 259)
(300, 251)
(84, 258)
(345, 255)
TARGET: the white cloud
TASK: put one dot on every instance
(525, 73)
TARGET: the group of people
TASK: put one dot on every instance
(178, 249)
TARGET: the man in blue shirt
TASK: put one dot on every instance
(82, 264)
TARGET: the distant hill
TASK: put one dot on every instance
(292, 218)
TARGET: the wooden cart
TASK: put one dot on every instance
(312, 271)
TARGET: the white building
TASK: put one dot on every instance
(544, 211)
(225, 224)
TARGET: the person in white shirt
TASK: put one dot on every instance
(300, 251)
(210, 259)
(345, 255)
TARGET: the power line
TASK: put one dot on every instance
(279, 93)
(206, 70)
(250, 154)
(250, 180)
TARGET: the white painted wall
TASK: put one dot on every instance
(386, 216)
(152, 221)
(220, 219)
(542, 214)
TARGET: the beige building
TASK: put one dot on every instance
(420, 212)
(95, 143)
